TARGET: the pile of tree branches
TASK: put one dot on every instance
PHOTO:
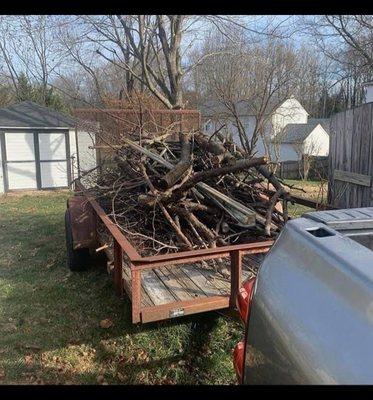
(198, 192)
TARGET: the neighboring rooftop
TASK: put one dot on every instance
(324, 122)
(29, 114)
(215, 107)
(244, 108)
(297, 133)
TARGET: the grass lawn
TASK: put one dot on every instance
(50, 318)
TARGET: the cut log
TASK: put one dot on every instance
(180, 169)
(240, 213)
(239, 166)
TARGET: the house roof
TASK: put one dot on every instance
(215, 107)
(244, 107)
(324, 122)
(297, 133)
(32, 115)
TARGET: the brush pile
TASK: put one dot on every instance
(194, 193)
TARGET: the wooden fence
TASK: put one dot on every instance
(109, 124)
(294, 169)
(350, 158)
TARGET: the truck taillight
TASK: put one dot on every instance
(243, 304)
(238, 360)
(244, 297)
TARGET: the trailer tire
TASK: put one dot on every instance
(77, 259)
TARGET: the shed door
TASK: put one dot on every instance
(53, 160)
(20, 157)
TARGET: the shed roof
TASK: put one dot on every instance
(324, 122)
(297, 133)
(32, 115)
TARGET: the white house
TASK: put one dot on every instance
(289, 112)
(40, 148)
(311, 138)
(368, 92)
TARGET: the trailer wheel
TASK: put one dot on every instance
(77, 259)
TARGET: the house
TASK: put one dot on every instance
(298, 140)
(40, 148)
(368, 92)
(289, 112)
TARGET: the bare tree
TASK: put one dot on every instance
(146, 47)
(346, 41)
(28, 46)
(306, 151)
(253, 78)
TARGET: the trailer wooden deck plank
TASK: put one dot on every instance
(182, 277)
(179, 284)
(156, 289)
(200, 280)
(214, 278)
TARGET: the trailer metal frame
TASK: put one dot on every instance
(138, 265)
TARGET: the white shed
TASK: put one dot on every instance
(39, 148)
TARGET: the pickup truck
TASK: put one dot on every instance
(309, 312)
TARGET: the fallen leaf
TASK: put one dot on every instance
(28, 359)
(182, 362)
(121, 377)
(106, 323)
(2, 374)
(100, 378)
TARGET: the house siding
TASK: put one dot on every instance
(290, 112)
(1, 171)
(87, 156)
(369, 93)
(249, 125)
(288, 152)
(317, 143)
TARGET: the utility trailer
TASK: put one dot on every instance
(162, 286)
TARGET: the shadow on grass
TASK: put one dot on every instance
(46, 307)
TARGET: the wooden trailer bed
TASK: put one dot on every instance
(165, 285)
(169, 285)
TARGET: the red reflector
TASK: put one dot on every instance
(238, 357)
(243, 299)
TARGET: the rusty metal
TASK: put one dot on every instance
(139, 264)
(83, 223)
(136, 295)
(118, 262)
(156, 313)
